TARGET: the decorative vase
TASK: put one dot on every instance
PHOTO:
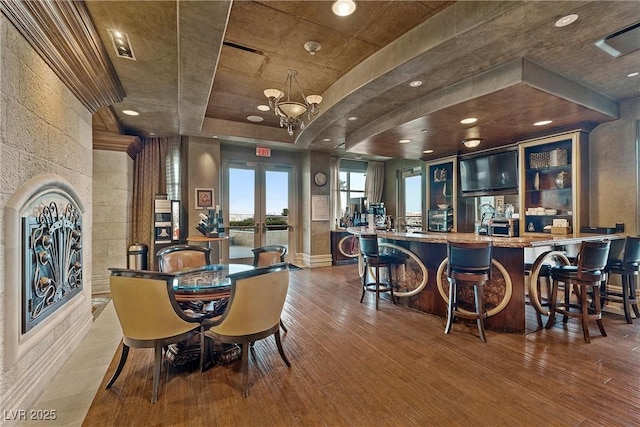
(563, 180)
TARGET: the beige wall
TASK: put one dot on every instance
(112, 201)
(202, 156)
(44, 129)
(613, 185)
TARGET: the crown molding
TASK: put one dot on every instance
(115, 142)
(62, 32)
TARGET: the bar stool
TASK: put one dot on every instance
(589, 273)
(373, 258)
(469, 264)
(628, 267)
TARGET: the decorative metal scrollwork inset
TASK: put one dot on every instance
(52, 261)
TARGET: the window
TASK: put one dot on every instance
(352, 178)
(411, 197)
(172, 167)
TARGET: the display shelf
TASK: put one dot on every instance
(553, 177)
(442, 183)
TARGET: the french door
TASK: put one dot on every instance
(259, 206)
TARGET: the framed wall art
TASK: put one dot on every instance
(204, 198)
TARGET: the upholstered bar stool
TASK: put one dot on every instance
(628, 267)
(581, 279)
(469, 264)
(373, 258)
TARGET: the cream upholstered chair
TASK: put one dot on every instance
(269, 255)
(253, 313)
(149, 316)
(182, 257)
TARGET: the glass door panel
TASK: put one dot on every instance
(276, 225)
(242, 212)
(260, 208)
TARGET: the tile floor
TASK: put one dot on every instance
(72, 390)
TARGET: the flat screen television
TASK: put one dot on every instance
(493, 172)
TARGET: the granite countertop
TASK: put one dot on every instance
(528, 241)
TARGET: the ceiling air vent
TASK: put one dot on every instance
(245, 48)
(621, 42)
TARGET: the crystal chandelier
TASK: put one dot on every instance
(290, 111)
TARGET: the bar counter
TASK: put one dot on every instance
(504, 295)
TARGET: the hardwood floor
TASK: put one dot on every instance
(353, 365)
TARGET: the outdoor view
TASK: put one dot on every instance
(243, 215)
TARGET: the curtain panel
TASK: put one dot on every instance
(149, 179)
(374, 182)
(336, 210)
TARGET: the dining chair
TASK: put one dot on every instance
(182, 257)
(264, 256)
(253, 313)
(268, 255)
(149, 317)
(581, 279)
(468, 264)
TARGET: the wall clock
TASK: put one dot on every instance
(320, 178)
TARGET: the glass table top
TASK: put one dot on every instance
(207, 278)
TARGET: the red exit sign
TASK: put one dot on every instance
(263, 152)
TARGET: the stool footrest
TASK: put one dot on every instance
(373, 287)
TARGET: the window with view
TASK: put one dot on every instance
(352, 179)
(411, 197)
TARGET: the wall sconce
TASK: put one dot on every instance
(472, 142)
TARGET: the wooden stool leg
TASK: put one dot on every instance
(568, 288)
(377, 285)
(479, 294)
(625, 297)
(552, 305)
(585, 315)
(632, 294)
(596, 303)
(450, 306)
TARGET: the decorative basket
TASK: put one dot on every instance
(539, 160)
(558, 157)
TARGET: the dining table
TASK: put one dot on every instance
(204, 290)
(208, 283)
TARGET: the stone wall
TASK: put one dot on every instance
(112, 220)
(44, 129)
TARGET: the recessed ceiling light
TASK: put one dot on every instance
(352, 118)
(425, 130)
(152, 133)
(428, 151)
(566, 20)
(632, 74)
(121, 44)
(468, 120)
(130, 113)
(255, 119)
(343, 7)
(214, 136)
(263, 107)
(404, 141)
(542, 122)
(416, 83)
(326, 139)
